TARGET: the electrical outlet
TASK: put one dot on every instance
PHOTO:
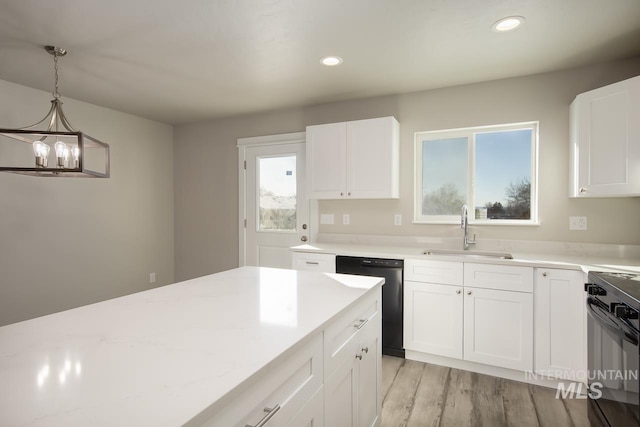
(578, 223)
(397, 219)
(327, 219)
(346, 219)
(152, 277)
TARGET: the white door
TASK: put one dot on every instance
(277, 209)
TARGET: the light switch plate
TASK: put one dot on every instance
(327, 219)
(152, 277)
(346, 219)
(397, 219)
(578, 223)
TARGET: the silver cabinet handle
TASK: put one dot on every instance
(583, 190)
(544, 274)
(348, 194)
(270, 412)
(468, 292)
(303, 238)
(312, 263)
(365, 349)
(458, 292)
(361, 323)
(342, 194)
(359, 356)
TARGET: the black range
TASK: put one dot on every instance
(613, 333)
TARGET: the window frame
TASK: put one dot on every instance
(470, 133)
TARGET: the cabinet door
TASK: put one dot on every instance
(340, 394)
(559, 319)
(498, 328)
(353, 391)
(433, 318)
(605, 129)
(327, 161)
(373, 165)
(369, 376)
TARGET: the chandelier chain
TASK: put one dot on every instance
(56, 95)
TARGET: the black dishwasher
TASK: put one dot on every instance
(392, 295)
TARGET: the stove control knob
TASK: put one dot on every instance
(623, 311)
(596, 290)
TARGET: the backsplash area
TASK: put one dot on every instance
(609, 251)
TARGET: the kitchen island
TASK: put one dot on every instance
(191, 353)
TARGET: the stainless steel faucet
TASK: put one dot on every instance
(464, 224)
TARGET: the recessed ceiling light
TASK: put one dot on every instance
(331, 61)
(507, 24)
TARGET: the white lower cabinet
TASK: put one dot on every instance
(368, 378)
(275, 396)
(498, 328)
(353, 387)
(308, 261)
(484, 315)
(433, 318)
(560, 323)
(332, 380)
(312, 415)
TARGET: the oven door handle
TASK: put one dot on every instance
(632, 338)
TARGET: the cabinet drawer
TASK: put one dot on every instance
(440, 272)
(324, 263)
(339, 335)
(289, 384)
(312, 414)
(500, 277)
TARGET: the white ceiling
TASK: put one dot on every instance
(185, 61)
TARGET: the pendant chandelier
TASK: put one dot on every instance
(75, 154)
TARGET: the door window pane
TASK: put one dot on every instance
(503, 174)
(444, 176)
(277, 197)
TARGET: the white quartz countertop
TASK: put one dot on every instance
(163, 356)
(543, 260)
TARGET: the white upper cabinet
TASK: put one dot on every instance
(354, 160)
(327, 161)
(605, 141)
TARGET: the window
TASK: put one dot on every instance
(491, 169)
(277, 198)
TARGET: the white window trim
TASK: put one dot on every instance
(469, 132)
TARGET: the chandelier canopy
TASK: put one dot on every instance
(76, 154)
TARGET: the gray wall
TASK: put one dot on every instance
(69, 242)
(206, 178)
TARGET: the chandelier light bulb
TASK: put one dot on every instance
(62, 153)
(75, 152)
(41, 151)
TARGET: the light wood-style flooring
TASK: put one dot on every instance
(418, 394)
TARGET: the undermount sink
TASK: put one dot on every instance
(469, 254)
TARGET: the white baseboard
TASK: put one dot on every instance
(510, 374)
